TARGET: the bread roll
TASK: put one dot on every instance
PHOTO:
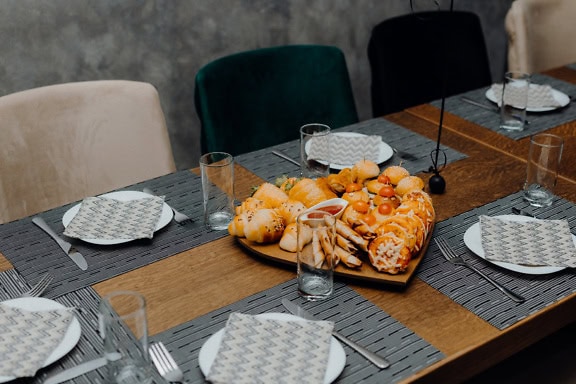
(311, 192)
(365, 169)
(271, 195)
(388, 253)
(290, 209)
(396, 173)
(289, 240)
(408, 184)
(266, 226)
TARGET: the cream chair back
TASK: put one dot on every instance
(61, 143)
(541, 34)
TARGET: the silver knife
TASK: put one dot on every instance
(66, 246)
(81, 369)
(375, 359)
(280, 154)
(480, 105)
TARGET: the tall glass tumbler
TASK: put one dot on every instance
(217, 170)
(316, 239)
(314, 150)
(514, 101)
(124, 329)
(542, 168)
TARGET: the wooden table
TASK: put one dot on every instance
(200, 280)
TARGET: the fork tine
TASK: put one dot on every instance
(41, 286)
(445, 249)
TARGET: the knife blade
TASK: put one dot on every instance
(480, 105)
(66, 246)
(374, 358)
(283, 156)
(81, 369)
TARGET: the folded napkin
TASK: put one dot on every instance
(539, 96)
(535, 242)
(257, 350)
(346, 149)
(109, 219)
(27, 338)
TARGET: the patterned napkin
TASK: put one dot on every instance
(109, 219)
(539, 96)
(346, 150)
(535, 242)
(27, 338)
(257, 350)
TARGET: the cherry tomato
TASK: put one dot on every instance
(387, 191)
(384, 179)
(353, 187)
(385, 209)
(361, 206)
(369, 219)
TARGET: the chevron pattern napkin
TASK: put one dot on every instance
(109, 219)
(27, 338)
(257, 350)
(539, 96)
(346, 150)
(535, 242)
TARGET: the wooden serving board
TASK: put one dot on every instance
(365, 273)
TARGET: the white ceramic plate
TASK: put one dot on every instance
(70, 338)
(473, 241)
(165, 217)
(336, 358)
(386, 151)
(560, 97)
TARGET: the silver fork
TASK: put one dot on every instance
(40, 286)
(179, 217)
(164, 363)
(452, 257)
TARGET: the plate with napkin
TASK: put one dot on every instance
(541, 98)
(269, 346)
(116, 217)
(45, 329)
(523, 244)
(347, 148)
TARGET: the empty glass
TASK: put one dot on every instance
(315, 150)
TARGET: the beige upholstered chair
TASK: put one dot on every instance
(541, 34)
(64, 142)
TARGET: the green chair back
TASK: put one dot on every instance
(255, 99)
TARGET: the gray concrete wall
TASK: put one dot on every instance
(165, 42)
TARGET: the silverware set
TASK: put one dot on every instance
(165, 363)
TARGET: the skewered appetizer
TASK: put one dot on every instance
(384, 217)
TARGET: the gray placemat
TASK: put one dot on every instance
(269, 166)
(89, 346)
(572, 66)
(32, 252)
(354, 316)
(477, 295)
(538, 121)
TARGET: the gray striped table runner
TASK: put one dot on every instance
(32, 252)
(269, 166)
(354, 316)
(538, 121)
(477, 295)
(89, 347)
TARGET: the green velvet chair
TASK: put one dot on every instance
(254, 99)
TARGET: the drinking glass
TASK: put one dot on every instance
(124, 329)
(316, 239)
(315, 150)
(217, 170)
(514, 101)
(543, 160)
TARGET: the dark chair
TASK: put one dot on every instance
(410, 54)
(254, 99)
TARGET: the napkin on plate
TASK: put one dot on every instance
(347, 149)
(109, 219)
(258, 350)
(27, 338)
(539, 96)
(534, 242)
